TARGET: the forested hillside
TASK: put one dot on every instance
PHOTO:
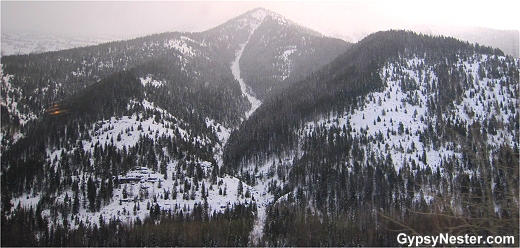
(259, 132)
(280, 52)
(402, 132)
(129, 136)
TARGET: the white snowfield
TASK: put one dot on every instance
(379, 115)
(286, 64)
(150, 81)
(183, 45)
(12, 95)
(284, 61)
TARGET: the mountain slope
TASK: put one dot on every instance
(238, 136)
(340, 84)
(94, 134)
(280, 52)
(389, 132)
(201, 58)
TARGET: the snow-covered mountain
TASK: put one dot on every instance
(400, 121)
(285, 50)
(256, 132)
(506, 40)
(26, 42)
(123, 132)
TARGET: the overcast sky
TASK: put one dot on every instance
(136, 18)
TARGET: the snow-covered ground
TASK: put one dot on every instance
(11, 96)
(183, 45)
(384, 111)
(141, 188)
(265, 177)
(132, 201)
(149, 80)
(223, 134)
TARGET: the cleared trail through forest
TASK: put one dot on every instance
(235, 69)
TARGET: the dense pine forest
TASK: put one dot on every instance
(146, 142)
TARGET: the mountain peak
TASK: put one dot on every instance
(261, 13)
(255, 17)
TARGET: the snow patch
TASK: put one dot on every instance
(286, 61)
(151, 81)
(10, 97)
(184, 45)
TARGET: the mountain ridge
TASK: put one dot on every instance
(354, 67)
(382, 131)
(84, 122)
(398, 107)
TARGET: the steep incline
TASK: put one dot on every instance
(394, 129)
(144, 124)
(235, 68)
(280, 52)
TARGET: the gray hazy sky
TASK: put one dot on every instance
(135, 18)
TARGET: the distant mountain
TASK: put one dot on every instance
(25, 42)
(505, 40)
(275, 51)
(280, 52)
